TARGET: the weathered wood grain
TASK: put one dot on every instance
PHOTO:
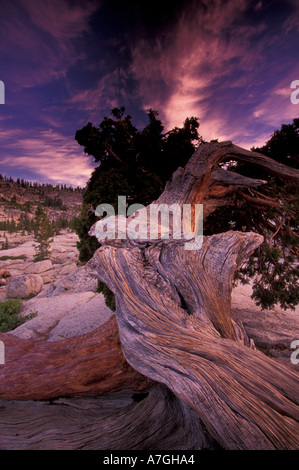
(175, 328)
(89, 365)
(196, 183)
(116, 422)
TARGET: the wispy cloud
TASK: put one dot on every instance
(48, 155)
(213, 64)
(276, 107)
(292, 22)
(43, 41)
(194, 58)
(40, 38)
(63, 20)
(105, 94)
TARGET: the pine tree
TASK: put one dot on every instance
(43, 234)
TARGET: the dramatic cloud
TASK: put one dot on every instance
(193, 60)
(105, 94)
(42, 43)
(215, 64)
(66, 62)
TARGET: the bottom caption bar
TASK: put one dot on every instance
(142, 458)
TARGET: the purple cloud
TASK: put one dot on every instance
(67, 62)
(213, 64)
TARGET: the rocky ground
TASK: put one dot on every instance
(66, 303)
(272, 330)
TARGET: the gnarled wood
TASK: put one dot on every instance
(175, 328)
(89, 365)
(160, 421)
(173, 311)
(195, 184)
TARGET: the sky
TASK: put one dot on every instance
(64, 63)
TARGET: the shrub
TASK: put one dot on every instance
(9, 315)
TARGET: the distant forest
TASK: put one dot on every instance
(48, 193)
(25, 184)
(26, 224)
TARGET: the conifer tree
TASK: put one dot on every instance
(43, 234)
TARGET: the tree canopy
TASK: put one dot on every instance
(135, 163)
(283, 146)
(138, 163)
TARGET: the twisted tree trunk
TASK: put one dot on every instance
(175, 328)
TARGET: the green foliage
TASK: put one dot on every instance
(12, 226)
(6, 257)
(9, 315)
(55, 202)
(283, 146)
(275, 277)
(87, 245)
(5, 245)
(60, 223)
(133, 163)
(274, 265)
(108, 294)
(25, 223)
(137, 164)
(277, 260)
(43, 234)
(39, 187)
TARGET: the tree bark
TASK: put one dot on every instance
(89, 365)
(175, 327)
(159, 421)
(173, 313)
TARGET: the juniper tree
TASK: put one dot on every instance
(139, 163)
(173, 326)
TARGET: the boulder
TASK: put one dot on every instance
(5, 275)
(77, 280)
(49, 312)
(272, 330)
(68, 268)
(46, 279)
(28, 249)
(40, 267)
(24, 285)
(59, 249)
(83, 319)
